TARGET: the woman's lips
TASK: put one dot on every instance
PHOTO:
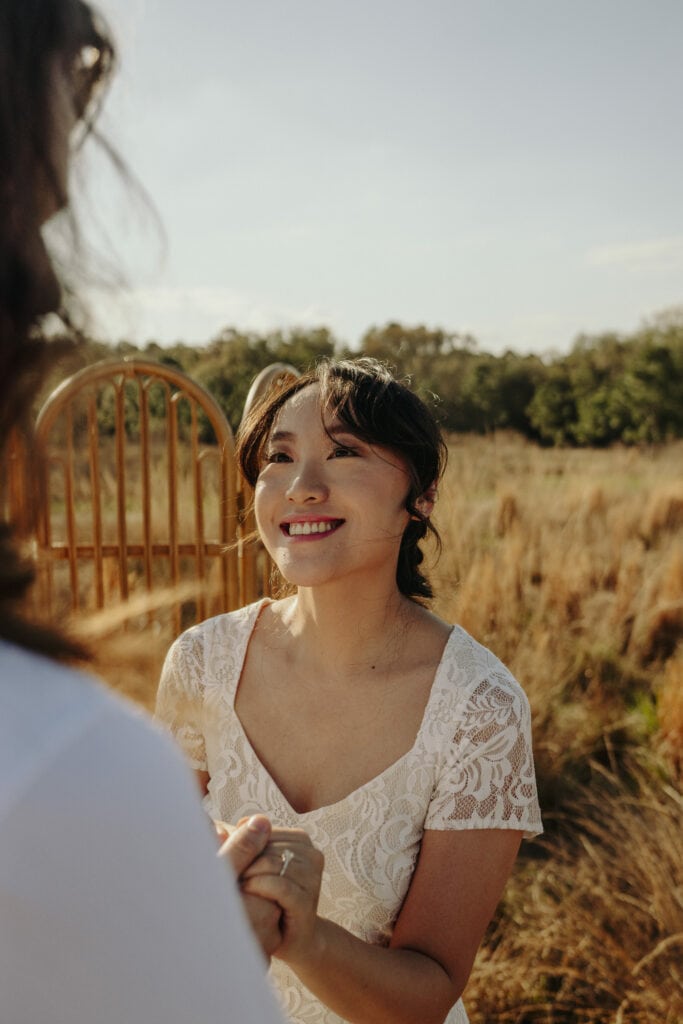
(311, 527)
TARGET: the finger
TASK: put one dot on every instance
(223, 829)
(303, 849)
(297, 902)
(281, 891)
(228, 829)
(290, 835)
(280, 859)
(305, 868)
(246, 842)
(264, 918)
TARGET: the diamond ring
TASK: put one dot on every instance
(286, 857)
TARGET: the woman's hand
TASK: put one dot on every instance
(288, 873)
(241, 845)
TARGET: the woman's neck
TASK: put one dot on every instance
(353, 632)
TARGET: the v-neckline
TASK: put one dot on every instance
(256, 610)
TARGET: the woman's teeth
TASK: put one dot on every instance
(303, 529)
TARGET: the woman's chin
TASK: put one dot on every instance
(300, 578)
(296, 574)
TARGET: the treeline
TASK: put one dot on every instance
(609, 388)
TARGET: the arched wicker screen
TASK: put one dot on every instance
(141, 492)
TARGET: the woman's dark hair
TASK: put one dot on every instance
(379, 410)
(38, 40)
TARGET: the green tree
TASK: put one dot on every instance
(552, 410)
(653, 388)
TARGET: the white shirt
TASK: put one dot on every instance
(113, 906)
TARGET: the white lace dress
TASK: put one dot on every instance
(471, 766)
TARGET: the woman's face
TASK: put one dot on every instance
(328, 505)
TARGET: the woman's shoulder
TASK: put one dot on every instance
(471, 670)
(227, 627)
(205, 655)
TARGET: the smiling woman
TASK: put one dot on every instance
(369, 730)
(321, 485)
(367, 413)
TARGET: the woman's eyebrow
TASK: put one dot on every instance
(337, 427)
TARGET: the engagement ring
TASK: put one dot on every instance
(287, 857)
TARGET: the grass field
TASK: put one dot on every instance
(569, 565)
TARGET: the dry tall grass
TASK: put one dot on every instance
(569, 565)
(594, 932)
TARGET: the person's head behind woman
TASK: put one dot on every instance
(53, 56)
(379, 410)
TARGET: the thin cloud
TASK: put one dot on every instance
(193, 314)
(653, 254)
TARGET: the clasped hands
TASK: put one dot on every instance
(279, 894)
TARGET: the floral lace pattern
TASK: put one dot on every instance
(471, 766)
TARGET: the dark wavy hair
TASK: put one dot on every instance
(37, 38)
(378, 409)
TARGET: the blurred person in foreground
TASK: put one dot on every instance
(113, 905)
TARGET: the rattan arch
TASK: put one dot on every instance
(173, 417)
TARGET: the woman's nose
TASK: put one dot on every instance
(308, 484)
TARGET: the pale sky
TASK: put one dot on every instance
(512, 169)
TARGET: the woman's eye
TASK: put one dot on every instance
(342, 452)
(277, 457)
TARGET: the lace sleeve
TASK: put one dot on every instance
(179, 702)
(487, 778)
